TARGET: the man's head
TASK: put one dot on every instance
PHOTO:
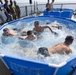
(47, 5)
(29, 32)
(5, 29)
(69, 40)
(14, 2)
(36, 23)
(11, 2)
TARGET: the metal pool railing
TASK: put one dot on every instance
(36, 9)
(39, 8)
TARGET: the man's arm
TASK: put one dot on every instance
(49, 28)
(68, 51)
(52, 1)
(22, 37)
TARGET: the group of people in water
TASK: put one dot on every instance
(60, 48)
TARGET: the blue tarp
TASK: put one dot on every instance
(27, 67)
(65, 13)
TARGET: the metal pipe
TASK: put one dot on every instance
(34, 6)
(26, 10)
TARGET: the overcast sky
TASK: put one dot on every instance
(60, 1)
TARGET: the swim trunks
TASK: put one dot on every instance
(35, 32)
(43, 51)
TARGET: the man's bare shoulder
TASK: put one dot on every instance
(60, 43)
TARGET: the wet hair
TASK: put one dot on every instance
(5, 29)
(69, 39)
(29, 32)
(36, 22)
(14, 2)
(47, 4)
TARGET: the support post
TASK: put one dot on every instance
(26, 10)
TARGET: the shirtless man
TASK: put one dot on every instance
(30, 36)
(49, 6)
(7, 32)
(60, 48)
(39, 29)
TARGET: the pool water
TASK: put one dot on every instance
(13, 46)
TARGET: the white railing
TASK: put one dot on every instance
(39, 8)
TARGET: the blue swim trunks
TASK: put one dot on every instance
(35, 32)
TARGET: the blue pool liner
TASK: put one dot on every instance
(30, 67)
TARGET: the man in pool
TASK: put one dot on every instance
(60, 48)
(7, 32)
(49, 6)
(30, 36)
(38, 29)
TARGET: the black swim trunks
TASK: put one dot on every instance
(43, 51)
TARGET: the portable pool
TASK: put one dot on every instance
(58, 12)
(24, 66)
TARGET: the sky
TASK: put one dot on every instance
(56, 1)
(40, 1)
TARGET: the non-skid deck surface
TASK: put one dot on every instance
(3, 69)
